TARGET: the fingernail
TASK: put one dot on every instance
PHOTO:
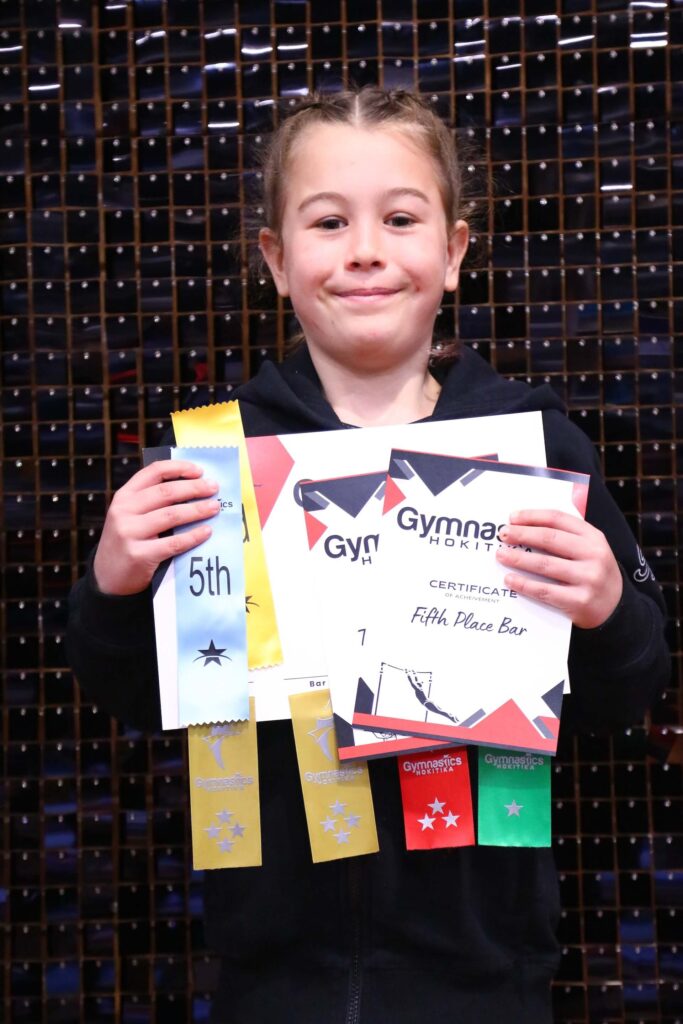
(212, 484)
(503, 532)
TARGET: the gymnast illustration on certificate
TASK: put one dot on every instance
(455, 653)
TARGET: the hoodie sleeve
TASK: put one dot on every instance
(617, 670)
(110, 646)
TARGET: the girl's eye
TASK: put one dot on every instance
(400, 220)
(330, 223)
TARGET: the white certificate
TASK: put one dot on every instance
(456, 654)
(343, 516)
(278, 465)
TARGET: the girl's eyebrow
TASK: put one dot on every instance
(318, 197)
(337, 197)
(397, 193)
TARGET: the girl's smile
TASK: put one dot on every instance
(367, 294)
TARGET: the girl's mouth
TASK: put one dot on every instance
(367, 294)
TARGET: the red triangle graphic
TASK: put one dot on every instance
(314, 528)
(580, 497)
(393, 495)
(552, 724)
(270, 464)
(507, 725)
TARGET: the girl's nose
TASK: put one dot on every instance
(365, 247)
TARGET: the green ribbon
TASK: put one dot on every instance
(514, 798)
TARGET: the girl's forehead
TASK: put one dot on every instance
(320, 134)
(332, 148)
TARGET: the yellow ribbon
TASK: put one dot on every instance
(338, 799)
(221, 424)
(224, 794)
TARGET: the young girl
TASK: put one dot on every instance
(364, 236)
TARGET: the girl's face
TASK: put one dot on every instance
(365, 252)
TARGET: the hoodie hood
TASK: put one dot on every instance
(288, 398)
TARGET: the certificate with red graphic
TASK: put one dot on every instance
(343, 516)
(456, 654)
(280, 464)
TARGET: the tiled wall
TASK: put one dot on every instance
(129, 135)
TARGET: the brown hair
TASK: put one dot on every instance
(368, 107)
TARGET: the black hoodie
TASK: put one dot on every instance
(441, 935)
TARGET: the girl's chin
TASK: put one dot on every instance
(365, 349)
(373, 355)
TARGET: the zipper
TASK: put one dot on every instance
(355, 875)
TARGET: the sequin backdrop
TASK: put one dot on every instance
(129, 133)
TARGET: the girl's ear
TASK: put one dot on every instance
(271, 250)
(457, 247)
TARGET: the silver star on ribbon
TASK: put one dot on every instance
(513, 809)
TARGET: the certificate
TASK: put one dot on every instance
(456, 654)
(279, 464)
(343, 516)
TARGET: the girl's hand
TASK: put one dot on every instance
(154, 500)
(579, 574)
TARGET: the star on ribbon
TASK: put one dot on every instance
(213, 831)
(328, 824)
(226, 845)
(337, 807)
(353, 820)
(224, 816)
(212, 653)
(513, 809)
(237, 830)
(427, 822)
(451, 819)
(341, 836)
(437, 806)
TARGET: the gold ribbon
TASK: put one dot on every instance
(221, 424)
(338, 799)
(224, 794)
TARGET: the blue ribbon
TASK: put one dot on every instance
(210, 604)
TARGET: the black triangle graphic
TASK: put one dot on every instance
(553, 699)
(364, 698)
(351, 494)
(437, 472)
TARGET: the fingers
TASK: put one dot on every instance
(161, 548)
(173, 516)
(571, 564)
(163, 469)
(555, 595)
(162, 497)
(124, 565)
(560, 547)
(550, 517)
(563, 570)
(587, 605)
(146, 491)
(557, 533)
